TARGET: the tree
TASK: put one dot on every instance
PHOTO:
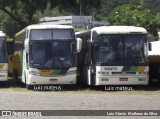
(134, 15)
(26, 12)
(79, 7)
(8, 26)
(22, 11)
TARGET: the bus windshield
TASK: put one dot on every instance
(135, 48)
(130, 48)
(52, 55)
(3, 55)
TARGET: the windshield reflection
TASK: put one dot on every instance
(110, 49)
(122, 48)
(135, 48)
(52, 55)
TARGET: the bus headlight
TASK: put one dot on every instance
(34, 73)
(71, 72)
(3, 71)
(142, 79)
(102, 73)
(142, 73)
(104, 79)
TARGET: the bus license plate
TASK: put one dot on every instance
(123, 79)
(53, 80)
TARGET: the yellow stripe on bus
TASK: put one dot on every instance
(141, 69)
(46, 72)
(1, 66)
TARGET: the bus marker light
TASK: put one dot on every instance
(103, 73)
(104, 79)
(142, 79)
(99, 72)
(2, 75)
(107, 72)
(71, 82)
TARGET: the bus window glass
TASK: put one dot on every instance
(2, 50)
(62, 34)
(110, 49)
(50, 34)
(62, 52)
(135, 48)
(37, 54)
(52, 55)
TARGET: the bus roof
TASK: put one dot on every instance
(48, 26)
(119, 30)
(45, 26)
(2, 34)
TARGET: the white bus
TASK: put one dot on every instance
(46, 54)
(114, 55)
(3, 58)
(154, 60)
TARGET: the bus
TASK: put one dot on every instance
(154, 60)
(10, 46)
(3, 58)
(114, 55)
(46, 54)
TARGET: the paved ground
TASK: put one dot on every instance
(141, 98)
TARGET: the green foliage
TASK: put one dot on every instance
(17, 14)
(9, 26)
(21, 13)
(157, 19)
(136, 15)
(52, 12)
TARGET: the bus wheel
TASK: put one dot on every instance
(3, 83)
(15, 78)
(29, 87)
(15, 75)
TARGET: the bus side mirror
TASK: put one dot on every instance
(150, 46)
(79, 44)
(26, 45)
(11, 58)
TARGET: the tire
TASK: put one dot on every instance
(29, 87)
(15, 75)
(15, 78)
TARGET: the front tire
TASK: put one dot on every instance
(29, 87)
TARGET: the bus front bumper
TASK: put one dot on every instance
(39, 80)
(3, 77)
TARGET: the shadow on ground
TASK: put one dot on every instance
(155, 86)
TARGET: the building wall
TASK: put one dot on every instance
(75, 21)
